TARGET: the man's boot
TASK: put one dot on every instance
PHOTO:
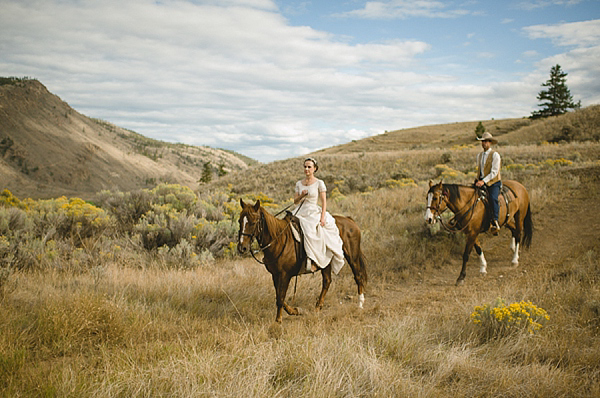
(495, 227)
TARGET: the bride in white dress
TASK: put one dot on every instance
(322, 240)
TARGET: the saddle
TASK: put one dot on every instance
(505, 193)
(298, 240)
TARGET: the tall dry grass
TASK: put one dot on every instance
(101, 316)
(121, 329)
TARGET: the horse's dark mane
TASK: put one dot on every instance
(453, 191)
(273, 224)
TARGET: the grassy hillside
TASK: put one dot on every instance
(144, 295)
(442, 151)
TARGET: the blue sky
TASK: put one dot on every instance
(274, 79)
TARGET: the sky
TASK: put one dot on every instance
(275, 79)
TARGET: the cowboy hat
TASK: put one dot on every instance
(488, 137)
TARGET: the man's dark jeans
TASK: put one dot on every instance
(493, 192)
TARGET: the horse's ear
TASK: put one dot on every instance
(242, 203)
(430, 183)
(440, 184)
(257, 205)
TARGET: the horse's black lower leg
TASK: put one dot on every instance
(466, 253)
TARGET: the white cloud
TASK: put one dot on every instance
(206, 74)
(238, 75)
(582, 63)
(579, 34)
(530, 54)
(401, 9)
(536, 4)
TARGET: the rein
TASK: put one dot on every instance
(254, 235)
(454, 221)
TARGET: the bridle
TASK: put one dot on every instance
(451, 225)
(257, 232)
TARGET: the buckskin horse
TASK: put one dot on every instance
(472, 218)
(284, 256)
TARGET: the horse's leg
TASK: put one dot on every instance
(468, 247)
(326, 273)
(282, 282)
(479, 251)
(357, 265)
(516, 237)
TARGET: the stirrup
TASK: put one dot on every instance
(495, 227)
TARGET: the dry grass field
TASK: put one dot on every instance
(133, 327)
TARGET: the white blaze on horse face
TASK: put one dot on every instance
(244, 223)
(428, 213)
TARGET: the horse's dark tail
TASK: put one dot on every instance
(527, 228)
(362, 267)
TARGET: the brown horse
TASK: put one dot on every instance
(284, 257)
(472, 218)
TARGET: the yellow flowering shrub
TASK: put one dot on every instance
(515, 166)
(556, 162)
(7, 199)
(457, 147)
(265, 201)
(404, 182)
(499, 320)
(447, 173)
(230, 250)
(336, 195)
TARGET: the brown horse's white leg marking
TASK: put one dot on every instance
(514, 245)
(483, 268)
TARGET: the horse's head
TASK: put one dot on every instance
(436, 201)
(250, 224)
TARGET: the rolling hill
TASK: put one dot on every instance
(47, 149)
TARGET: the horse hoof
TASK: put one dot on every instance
(299, 311)
(460, 282)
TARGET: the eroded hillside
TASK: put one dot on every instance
(47, 149)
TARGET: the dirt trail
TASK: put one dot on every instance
(562, 231)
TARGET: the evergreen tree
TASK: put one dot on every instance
(556, 99)
(479, 130)
(206, 173)
(221, 172)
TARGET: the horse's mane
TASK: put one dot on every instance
(454, 190)
(273, 224)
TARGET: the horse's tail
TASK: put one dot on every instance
(362, 267)
(527, 228)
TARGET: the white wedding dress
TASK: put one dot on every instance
(323, 245)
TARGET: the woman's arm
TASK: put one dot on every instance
(299, 196)
(323, 196)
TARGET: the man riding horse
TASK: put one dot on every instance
(488, 174)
